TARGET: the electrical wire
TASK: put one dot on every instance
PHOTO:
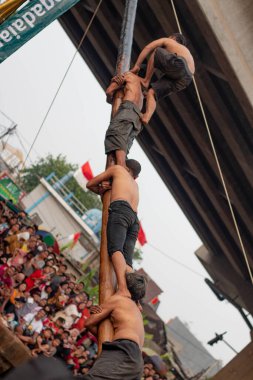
(61, 83)
(28, 144)
(176, 261)
(217, 162)
(22, 145)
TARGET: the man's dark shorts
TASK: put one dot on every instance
(177, 75)
(119, 360)
(41, 368)
(122, 230)
(123, 128)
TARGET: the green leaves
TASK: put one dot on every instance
(60, 166)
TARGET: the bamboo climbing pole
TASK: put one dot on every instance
(8, 8)
(106, 275)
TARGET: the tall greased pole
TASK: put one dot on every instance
(106, 275)
(8, 8)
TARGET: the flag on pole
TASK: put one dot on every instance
(141, 236)
(70, 242)
(83, 175)
(154, 301)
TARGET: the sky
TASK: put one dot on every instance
(75, 128)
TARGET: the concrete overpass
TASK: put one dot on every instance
(176, 141)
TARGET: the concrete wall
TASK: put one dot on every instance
(54, 217)
(240, 368)
(57, 220)
(232, 22)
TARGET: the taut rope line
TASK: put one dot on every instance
(61, 83)
(217, 161)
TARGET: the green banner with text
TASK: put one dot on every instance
(9, 190)
(29, 21)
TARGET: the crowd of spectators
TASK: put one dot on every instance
(149, 372)
(40, 301)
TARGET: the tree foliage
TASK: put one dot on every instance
(138, 255)
(30, 178)
(89, 284)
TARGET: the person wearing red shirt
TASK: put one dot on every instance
(6, 274)
(37, 276)
(80, 324)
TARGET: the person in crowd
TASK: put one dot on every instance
(36, 262)
(18, 258)
(123, 224)
(85, 314)
(4, 225)
(174, 60)
(30, 327)
(38, 276)
(49, 349)
(6, 274)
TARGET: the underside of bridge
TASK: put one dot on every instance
(176, 141)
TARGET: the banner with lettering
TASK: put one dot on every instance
(29, 21)
(9, 190)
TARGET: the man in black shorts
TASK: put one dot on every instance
(126, 124)
(123, 225)
(172, 58)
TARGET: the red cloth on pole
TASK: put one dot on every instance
(86, 170)
(141, 236)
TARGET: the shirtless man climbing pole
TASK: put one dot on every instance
(123, 224)
(171, 56)
(126, 124)
(121, 358)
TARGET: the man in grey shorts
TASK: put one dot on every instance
(121, 358)
(126, 123)
(172, 58)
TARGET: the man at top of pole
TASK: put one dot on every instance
(171, 56)
(123, 224)
(126, 123)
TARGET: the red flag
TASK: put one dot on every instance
(141, 236)
(83, 175)
(71, 241)
(154, 301)
(86, 170)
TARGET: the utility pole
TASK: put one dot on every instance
(106, 274)
(219, 337)
(8, 131)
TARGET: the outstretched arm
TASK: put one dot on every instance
(146, 51)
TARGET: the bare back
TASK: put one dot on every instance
(124, 187)
(132, 89)
(174, 47)
(127, 320)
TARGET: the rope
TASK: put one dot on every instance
(217, 161)
(23, 146)
(176, 261)
(61, 83)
